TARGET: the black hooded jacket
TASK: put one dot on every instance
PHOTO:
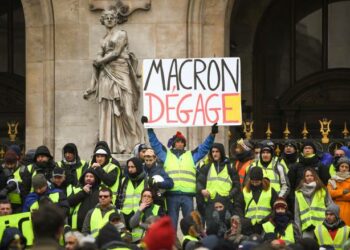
(111, 177)
(39, 168)
(219, 166)
(70, 169)
(296, 173)
(87, 200)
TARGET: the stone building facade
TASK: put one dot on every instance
(294, 54)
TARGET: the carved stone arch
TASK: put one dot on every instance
(40, 77)
(208, 35)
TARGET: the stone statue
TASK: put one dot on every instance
(114, 85)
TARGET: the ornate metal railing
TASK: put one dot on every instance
(323, 144)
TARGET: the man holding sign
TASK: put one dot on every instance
(180, 166)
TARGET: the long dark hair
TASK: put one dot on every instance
(319, 183)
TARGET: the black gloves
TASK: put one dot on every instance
(215, 129)
(144, 119)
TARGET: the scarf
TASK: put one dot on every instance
(290, 158)
(339, 177)
(281, 222)
(308, 189)
(334, 225)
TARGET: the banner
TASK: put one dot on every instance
(192, 92)
(22, 221)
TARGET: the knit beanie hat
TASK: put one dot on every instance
(309, 143)
(177, 137)
(161, 235)
(38, 181)
(334, 209)
(16, 149)
(256, 173)
(10, 157)
(290, 142)
(280, 202)
(343, 160)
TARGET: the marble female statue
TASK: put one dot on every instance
(114, 85)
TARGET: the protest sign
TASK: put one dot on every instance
(192, 92)
(22, 221)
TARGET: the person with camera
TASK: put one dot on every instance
(158, 180)
(180, 163)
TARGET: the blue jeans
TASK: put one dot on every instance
(177, 201)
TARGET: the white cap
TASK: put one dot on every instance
(101, 152)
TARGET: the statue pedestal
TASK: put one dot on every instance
(122, 158)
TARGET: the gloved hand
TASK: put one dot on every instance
(144, 119)
(215, 129)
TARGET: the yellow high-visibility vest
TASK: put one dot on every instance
(324, 238)
(98, 221)
(132, 197)
(257, 211)
(314, 213)
(220, 184)
(289, 233)
(182, 170)
(54, 197)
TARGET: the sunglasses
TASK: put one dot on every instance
(103, 196)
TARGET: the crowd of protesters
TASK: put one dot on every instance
(255, 200)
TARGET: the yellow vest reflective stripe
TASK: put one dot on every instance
(269, 172)
(313, 214)
(79, 169)
(284, 165)
(14, 197)
(289, 232)
(188, 237)
(182, 170)
(332, 170)
(74, 210)
(218, 183)
(108, 168)
(32, 172)
(257, 211)
(137, 232)
(97, 221)
(324, 238)
(132, 197)
(54, 197)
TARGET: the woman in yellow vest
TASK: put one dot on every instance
(281, 225)
(259, 198)
(332, 232)
(146, 209)
(311, 200)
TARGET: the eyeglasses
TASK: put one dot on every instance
(103, 196)
(147, 196)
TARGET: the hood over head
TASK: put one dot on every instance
(42, 150)
(92, 171)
